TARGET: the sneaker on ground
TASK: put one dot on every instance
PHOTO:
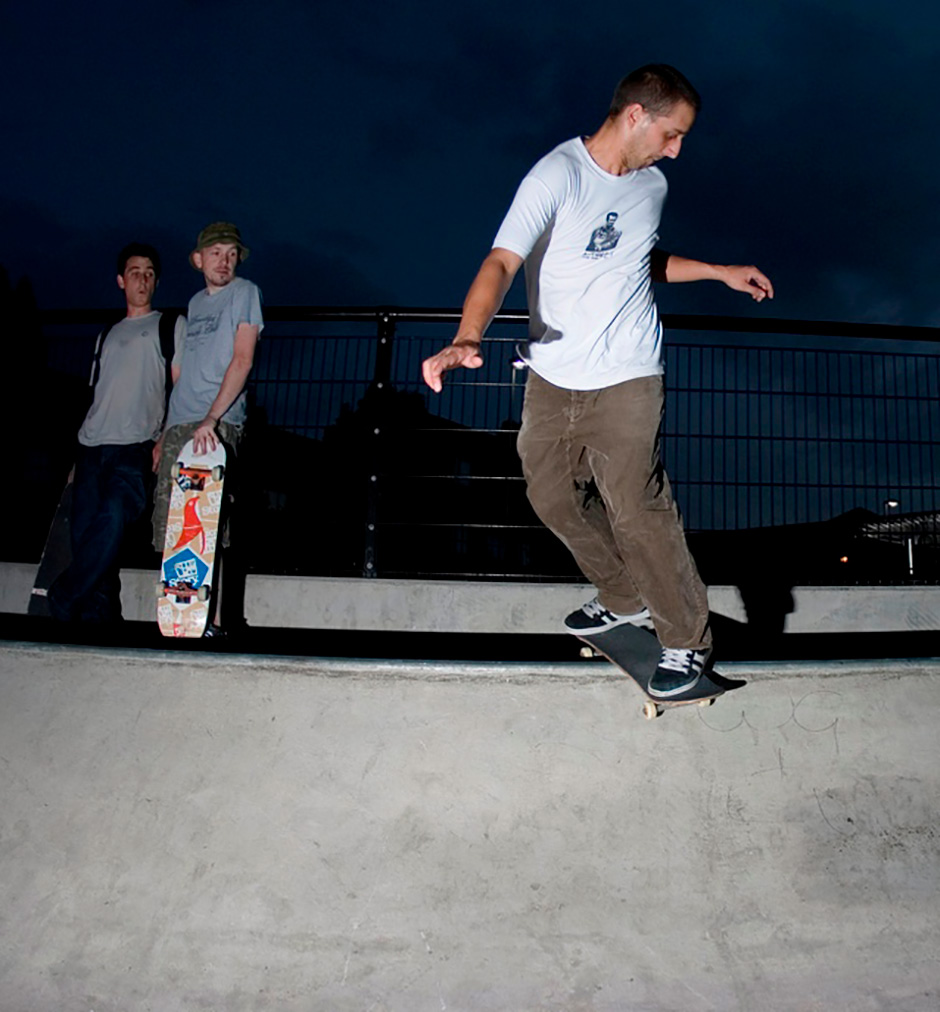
(593, 617)
(678, 671)
(214, 632)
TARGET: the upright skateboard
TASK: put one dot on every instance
(190, 562)
(636, 653)
(56, 555)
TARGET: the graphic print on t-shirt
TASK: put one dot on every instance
(604, 238)
(200, 327)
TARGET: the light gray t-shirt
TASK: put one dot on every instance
(212, 321)
(586, 238)
(130, 395)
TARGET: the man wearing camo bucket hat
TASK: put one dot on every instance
(208, 401)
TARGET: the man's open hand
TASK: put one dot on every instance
(454, 356)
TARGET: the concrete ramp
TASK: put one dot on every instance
(183, 832)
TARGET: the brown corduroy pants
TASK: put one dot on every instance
(627, 536)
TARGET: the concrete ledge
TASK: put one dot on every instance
(463, 606)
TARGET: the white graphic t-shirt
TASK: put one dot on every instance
(586, 237)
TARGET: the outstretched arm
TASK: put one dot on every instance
(482, 303)
(674, 268)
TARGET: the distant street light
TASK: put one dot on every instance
(890, 504)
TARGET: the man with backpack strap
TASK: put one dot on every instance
(131, 377)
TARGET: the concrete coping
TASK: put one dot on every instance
(589, 671)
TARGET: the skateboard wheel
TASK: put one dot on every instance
(706, 702)
(202, 593)
(651, 711)
(218, 472)
(175, 470)
(161, 588)
(587, 653)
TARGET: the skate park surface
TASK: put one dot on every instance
(215, 831)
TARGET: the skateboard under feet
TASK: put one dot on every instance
(636, 653)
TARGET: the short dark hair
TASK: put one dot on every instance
(657, 87)
(139, 249)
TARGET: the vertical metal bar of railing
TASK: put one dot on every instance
(381, 378)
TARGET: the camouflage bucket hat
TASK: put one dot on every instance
(220, 231)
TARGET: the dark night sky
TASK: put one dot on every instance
(368, 151)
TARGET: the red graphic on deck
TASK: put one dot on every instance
(192, 525)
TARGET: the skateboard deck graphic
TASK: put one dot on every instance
(190, 563)
(636, 653)
(56, 555)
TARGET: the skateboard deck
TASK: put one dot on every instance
(190, 562)
(56, 555)
(636, 653)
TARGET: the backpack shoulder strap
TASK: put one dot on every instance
(96, 357)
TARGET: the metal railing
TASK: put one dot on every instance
(772, 426)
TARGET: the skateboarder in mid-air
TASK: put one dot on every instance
(584, 222)
(112, 466)
(208, 400)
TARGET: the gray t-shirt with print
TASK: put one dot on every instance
(212, 320)
(130, 394)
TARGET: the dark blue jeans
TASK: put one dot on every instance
(110, 492)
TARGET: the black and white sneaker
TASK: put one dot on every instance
(593, 617)
(678, 671)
